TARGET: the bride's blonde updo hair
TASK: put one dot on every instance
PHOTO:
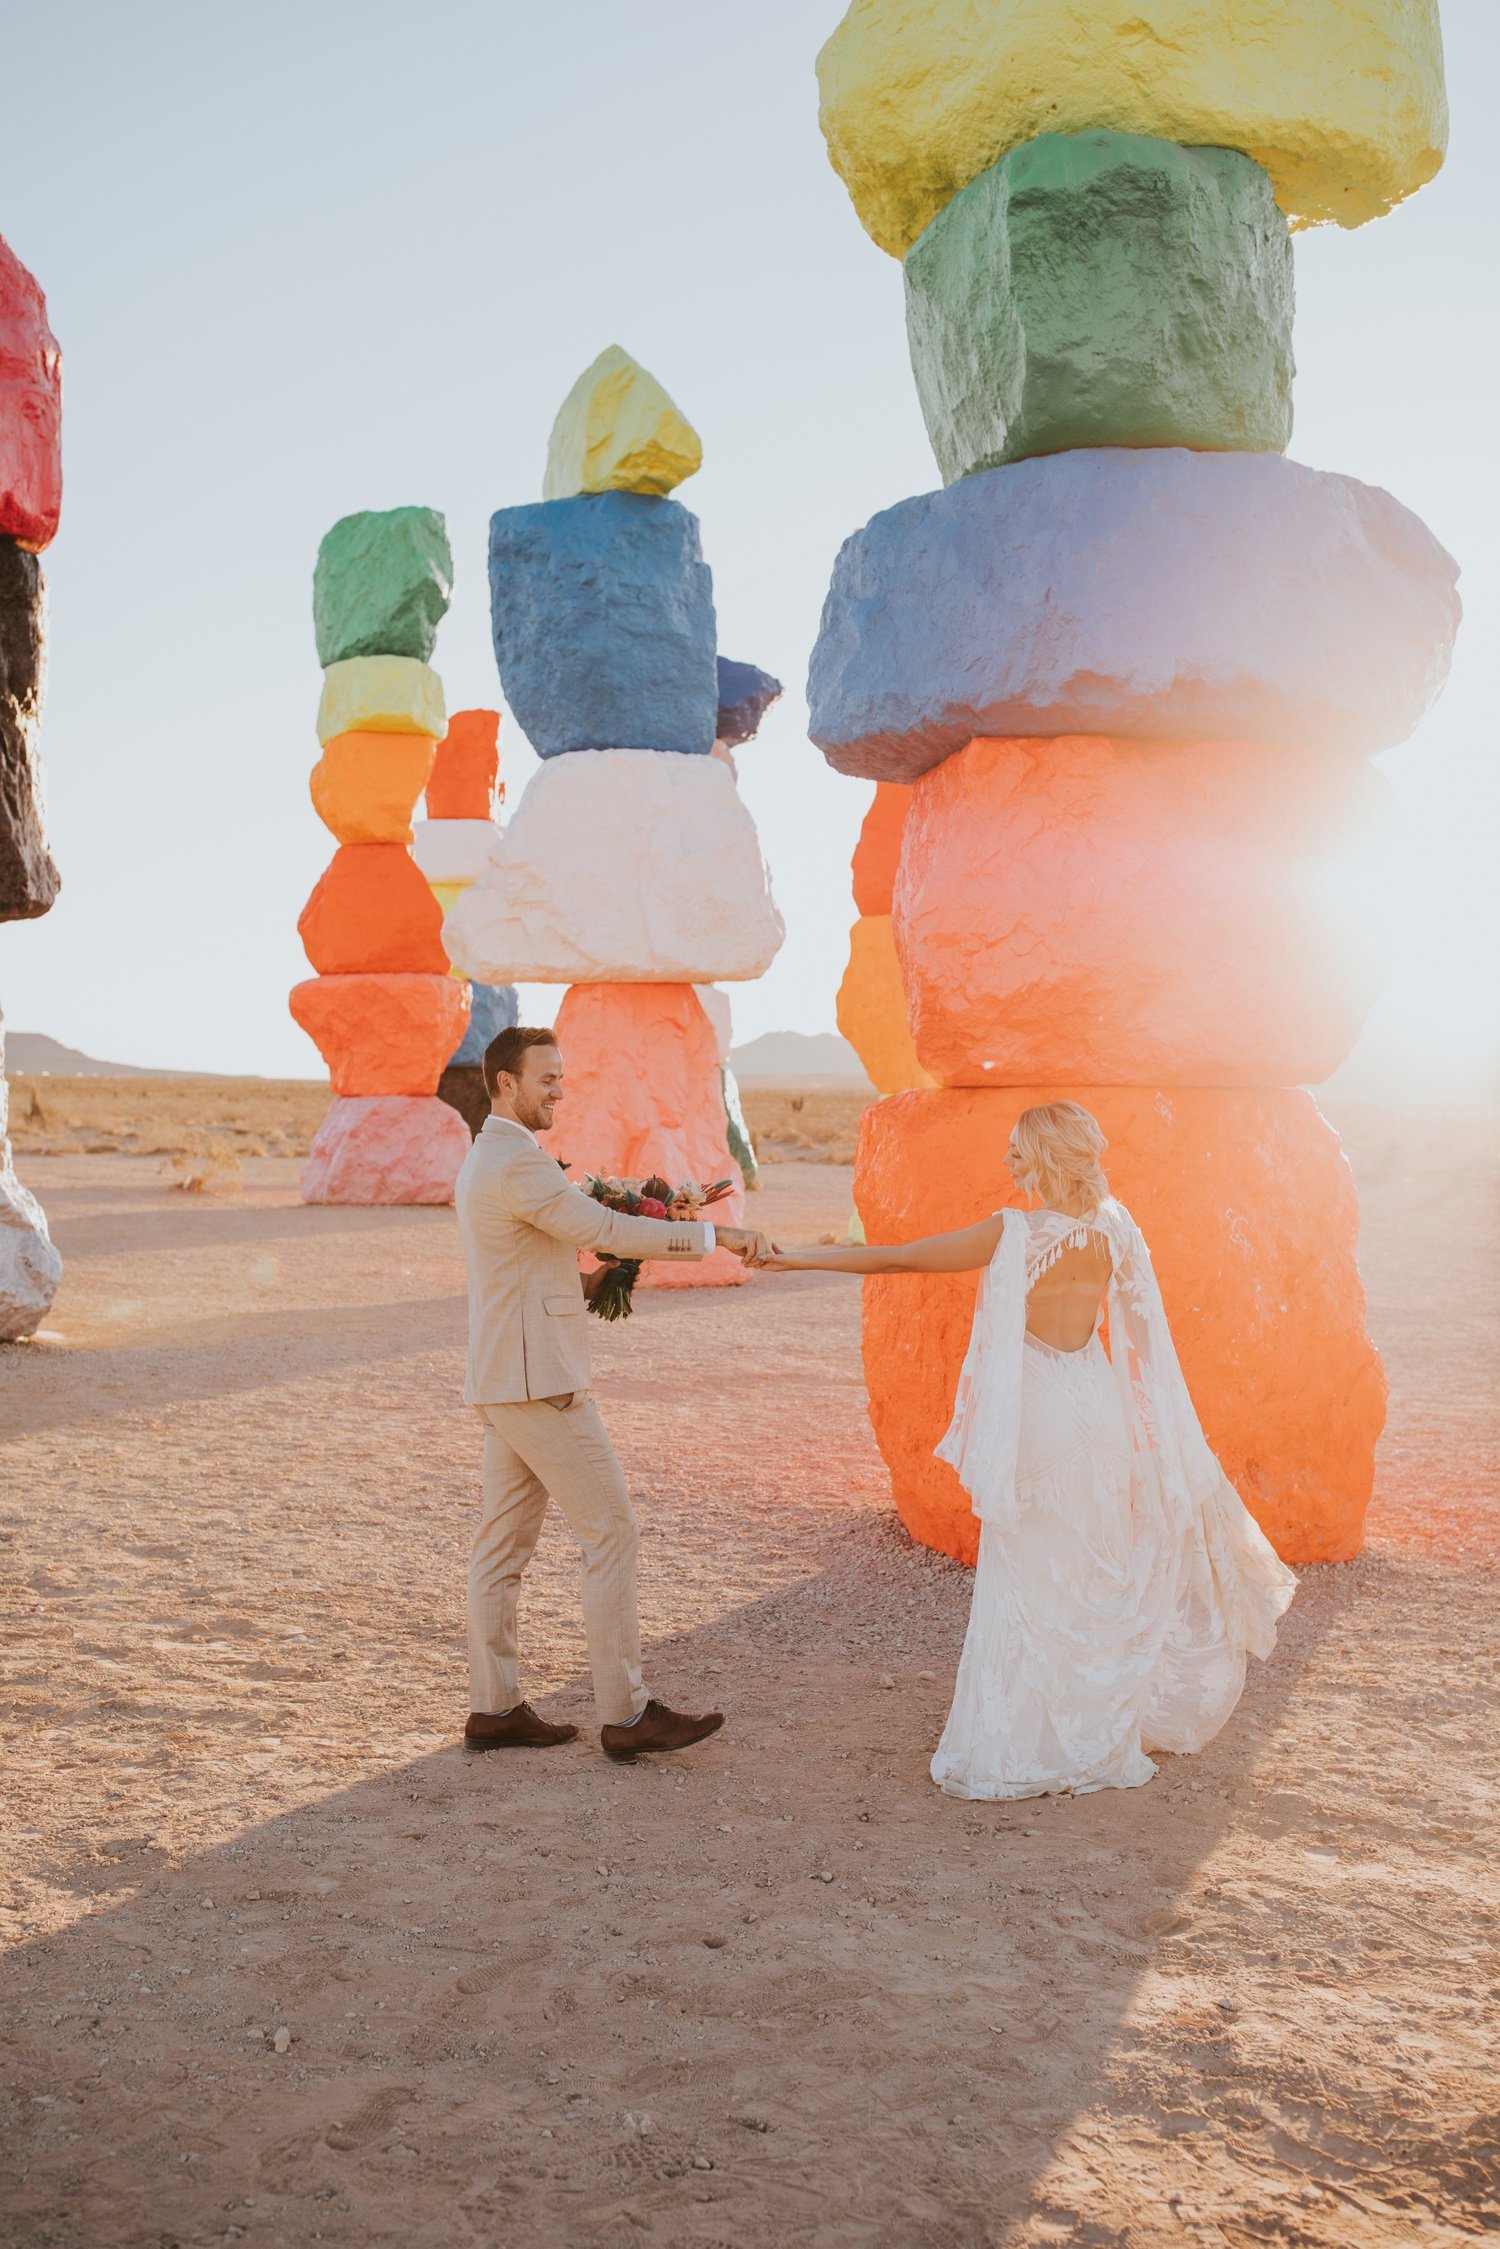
(1057, 1150)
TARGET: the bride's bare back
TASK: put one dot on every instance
(1062, 1308)
(1064, 1304)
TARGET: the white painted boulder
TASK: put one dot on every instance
(30, 1267)
(453, 850)
(621, 867)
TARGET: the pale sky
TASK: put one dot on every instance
(305, 260)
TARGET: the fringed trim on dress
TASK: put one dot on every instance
(1080, 1236)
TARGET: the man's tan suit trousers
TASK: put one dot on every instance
(536, 1448)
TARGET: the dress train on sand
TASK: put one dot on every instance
(1121, 1581)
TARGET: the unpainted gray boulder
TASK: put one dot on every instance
(29, 880)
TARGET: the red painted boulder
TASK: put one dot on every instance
(383, 1034)
(465, 783)
(642, 1093)
(30, 411)
(877, 854)
(372, 914)
(1134, 913)
(1249, 1210)
(386, 1148)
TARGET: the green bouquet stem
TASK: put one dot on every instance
(609, 1291)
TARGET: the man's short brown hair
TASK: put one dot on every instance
(505, 1053)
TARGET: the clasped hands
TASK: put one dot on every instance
(757, 1249)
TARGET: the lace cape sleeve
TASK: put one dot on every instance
(983, 1434)
(1155, 1394)
(1226, 1568)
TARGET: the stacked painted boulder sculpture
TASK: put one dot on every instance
(383, 1007)
(630, 870)
(1119, 681)
(452, 845)
(30, 503)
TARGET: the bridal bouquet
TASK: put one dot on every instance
(610, 1289)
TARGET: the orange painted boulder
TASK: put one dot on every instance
(372, 914)
(386, 1148)
(365, 786)
(465, 782)
(872, 1009)
(1133, 913)
(642, 1093)
(1249, 1210)
(878, 851)
(383, 1034)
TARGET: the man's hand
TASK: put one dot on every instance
(744, 1242)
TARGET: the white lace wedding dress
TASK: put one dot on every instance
(1121, 1581)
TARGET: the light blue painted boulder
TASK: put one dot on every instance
(603, 616)
(493, 1008)
(1156, 594)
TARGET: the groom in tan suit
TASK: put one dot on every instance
(523, 1223)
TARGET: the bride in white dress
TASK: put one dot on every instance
(1121, 1581)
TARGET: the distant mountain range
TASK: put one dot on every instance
(776, 1055)
(798, 1054)
(33, 1051)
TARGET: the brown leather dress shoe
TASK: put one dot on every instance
(516, 1729)
(658, 1728)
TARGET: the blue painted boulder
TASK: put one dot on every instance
(1160, 594)
(746, 693)
(603, 616)
(493, 1008)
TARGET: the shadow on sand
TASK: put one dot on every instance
(494, 1968)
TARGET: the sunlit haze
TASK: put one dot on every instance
(303, 261)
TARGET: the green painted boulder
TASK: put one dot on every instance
(1103, 288)
(382, 585)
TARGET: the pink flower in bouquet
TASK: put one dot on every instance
(651, 1208)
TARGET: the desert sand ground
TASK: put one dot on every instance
(282, 1965)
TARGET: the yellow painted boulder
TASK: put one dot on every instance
(619, 432)
(447, 895)
(1341, 101)
(381, 695)
(872, 1009)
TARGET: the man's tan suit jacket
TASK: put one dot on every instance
(522, 1223)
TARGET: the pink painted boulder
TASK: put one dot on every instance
(642, 1093)
(386, 1148)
